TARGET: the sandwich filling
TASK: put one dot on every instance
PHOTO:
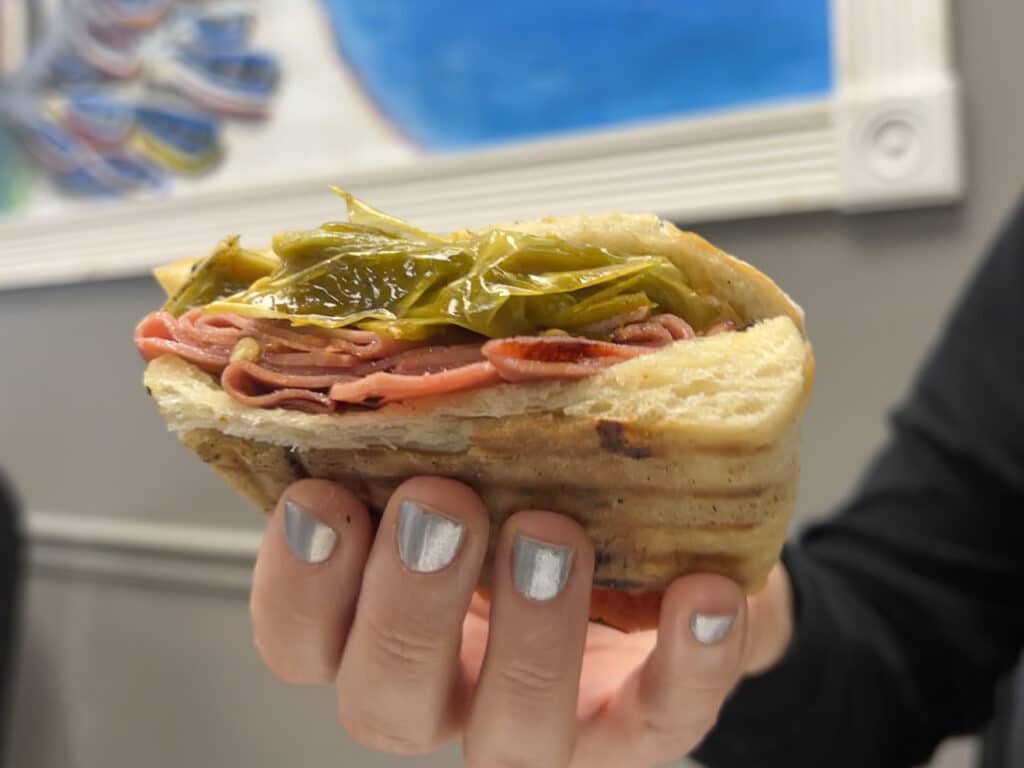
(372, 310)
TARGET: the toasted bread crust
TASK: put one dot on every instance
(648, 523)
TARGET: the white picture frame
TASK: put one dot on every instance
(887, 136)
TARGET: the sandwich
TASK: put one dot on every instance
(611, 368)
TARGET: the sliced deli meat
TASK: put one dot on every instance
(237, 380)
(540, 358)
(435, 359)
(160, 333)
(269, 364)
(658, 331)
(381, 388)
(718, 328)
(269, 378)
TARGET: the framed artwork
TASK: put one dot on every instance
(136, 131)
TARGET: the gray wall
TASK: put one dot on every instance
(113, 674)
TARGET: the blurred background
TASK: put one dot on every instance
(865, 178)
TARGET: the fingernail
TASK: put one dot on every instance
(711, 629)
(539, 570)
(309, 540)
(427, 540)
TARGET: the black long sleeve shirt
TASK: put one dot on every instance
(909, 601)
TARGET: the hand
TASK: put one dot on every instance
(418, 660)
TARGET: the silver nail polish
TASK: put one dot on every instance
(427, 540)
(539, 570)
(711, 629)
(309, 540)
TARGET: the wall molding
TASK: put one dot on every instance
(887, 137)
(156, 554)
(778, 160)
(896, 107)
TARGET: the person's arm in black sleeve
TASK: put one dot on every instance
(10, 597)
(908, 602)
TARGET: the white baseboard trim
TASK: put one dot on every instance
(161, 554)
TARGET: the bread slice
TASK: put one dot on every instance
(678, 461)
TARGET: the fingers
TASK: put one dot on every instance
(307, 579)
(386, 624)
(400, 683)
(770, 618)
(524, 710)
(665, 709)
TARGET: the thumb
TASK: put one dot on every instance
(669, 704)
(770, 618)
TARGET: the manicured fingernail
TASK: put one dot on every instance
(711, 629)
(539, 570)
(427, 540)
(309, 540)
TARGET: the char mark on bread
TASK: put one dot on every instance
(294, 458)
(613, 440)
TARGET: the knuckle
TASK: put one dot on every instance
(704, 722)
(509, 758)
(279, 610)
(673, 735)
(659, 728)
(501, 761)
(528, 680)
(289, 632)
(404, 648)
(293, 674)
(382, 733)
(698, 720)
(292, 668)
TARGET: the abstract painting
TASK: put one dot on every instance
(118, 98)
(452, 74)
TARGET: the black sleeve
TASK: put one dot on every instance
(908, 602)
(10, 588)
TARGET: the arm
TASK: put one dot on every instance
(907, 602)
(10, 595)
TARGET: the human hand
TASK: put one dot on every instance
(418, 660)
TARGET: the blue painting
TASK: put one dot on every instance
(455, 74)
